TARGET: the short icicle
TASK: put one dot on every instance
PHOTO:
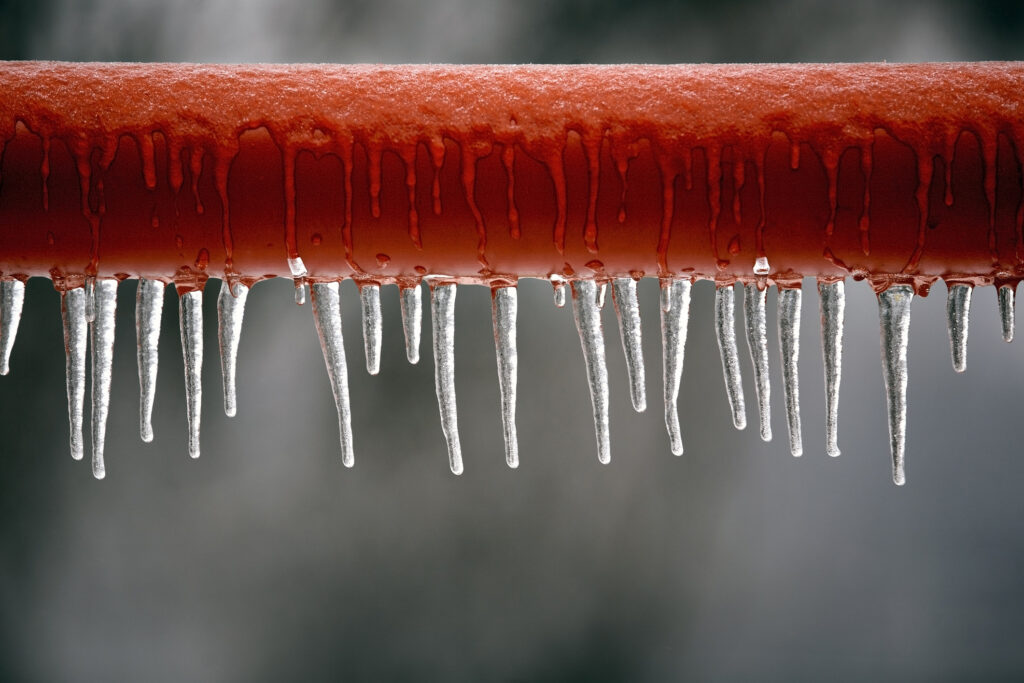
(442, 301)
(230, 313)
(675, 319)
(12, 299)
(327, 317)
(588, 323)
(832, 302)
(755, 320)
(504, 310)
(149, 306)
(790, 301)
(558, 286)
(958, 312)
(190, 312)
(412, 321)
(102, 337)
(725, 330)
(894, 316)
(627, 309)
(76, 340)
(1006, 297)
(369, 297)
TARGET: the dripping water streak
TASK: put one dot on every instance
(627, 308)
(894, 316)
(369, 297)
(958, 312)
(72, 309)
(327, 318)
(190, 311)
(230, 312)
(675, 318)
(12, 299)
(149, 306)
(412, 321)
(102, 337)
(588, 323)
(725, 329)
(755, 320)
(790, 301)
(832, 301)
(442, 301)
(504, 309)
(1006, 311)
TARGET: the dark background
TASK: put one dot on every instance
(267, 560)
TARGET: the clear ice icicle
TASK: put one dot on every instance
(504, 309)
(12, 299)
(1006, 293)
(102, 335)
(675, 318)
(627, 308)
(832, 302)
(755, 320)
(90, 298)
(369, 296)
(327, 317)
(76, 340)
(149, 306)
(894, 316)
(412, 321)
(190, 311)
(958, 312)
(725, 330)
(230, 313)
(442, 302)
(588, 323)
(789, 342)
(558, 285)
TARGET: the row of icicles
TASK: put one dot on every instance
(88, 317)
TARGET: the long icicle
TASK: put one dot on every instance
(675, 318)
(76, 340)
(12, 299)
(149, 306)
(832, 304)
(894, 316)
(327, 318)
(230, 313)
(627, 309)
(790, 301)
(442, 301)
(756, 322)
(102, 335)
(190, 311)
(1006, 296)
(588, 323)
(958, 314)
(504, 310)
(725, 330)
(412, 321)
(369, 296)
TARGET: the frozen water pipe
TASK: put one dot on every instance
(589, 176)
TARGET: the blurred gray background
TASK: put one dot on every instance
(267, 560)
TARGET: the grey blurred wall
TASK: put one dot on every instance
(267, 560)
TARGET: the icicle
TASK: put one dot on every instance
(504, 307)
(298, 270)
(300, 292)
(1006, 293)
(558, 283)
(412, 321)
(90, 298)
(789, 341)
(149, 306)
(725, 329)
(588, 322)
(832, 297)
(894, 315)
(369, 296)
(12, 298)
(602, 289)
(230, 312)
(72, 309)
(190, 312)
(442, 300)
(627, 308)
(102, 338)
(754, 317)
(327, 317)
(675, 318)
(958, 312)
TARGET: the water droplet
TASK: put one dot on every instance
(202, 259)
(316, 239)
(761, 266)
(383, 260)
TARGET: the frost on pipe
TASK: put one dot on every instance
(585, 176)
